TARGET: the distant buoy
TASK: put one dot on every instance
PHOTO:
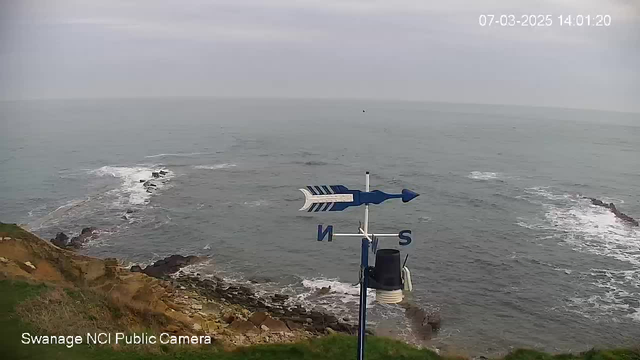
(362, 110)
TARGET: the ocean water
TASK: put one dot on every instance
(503, 244)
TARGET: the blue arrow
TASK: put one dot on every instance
(317, 196)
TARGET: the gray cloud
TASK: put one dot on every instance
(403, 49)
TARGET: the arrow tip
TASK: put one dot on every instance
(408, 195)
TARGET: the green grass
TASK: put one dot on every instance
(15, 231)
(331, 347)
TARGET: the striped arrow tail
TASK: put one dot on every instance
(324, 197)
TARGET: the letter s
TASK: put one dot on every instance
(25, 338)
(406, 238)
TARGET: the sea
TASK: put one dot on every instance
(504, 245)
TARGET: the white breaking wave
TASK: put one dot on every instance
(174, 155)
(256, 203)
(132, 189)
(340, 291)
(486, 175)
(592, 229)
(586, 227)
(214, 167)
(596, 230)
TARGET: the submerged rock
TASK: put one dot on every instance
(260, 279)
(169, 265)
(423, 323)
(77, 241)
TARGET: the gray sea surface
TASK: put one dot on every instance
(503, 245)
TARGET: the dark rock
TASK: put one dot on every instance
(328, 318)
(279, 297)
(620, 215)
(135, 268)
(243, 327)
(292, 325)
(77, 241)
(87, 230)
(155, 174)
(142, 180)
(260, 280)
(169, 265)
(316, 315)
(257, 318)
(424, 332)
(323, 291)
(229, 318)
(422, 323)
(434, 320)
(275, 325)
(60, 240)
(129, 211)
(162, 172)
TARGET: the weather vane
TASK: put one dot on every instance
(388, 277)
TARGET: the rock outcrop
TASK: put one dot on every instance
(424, 323)
(62, 240)
(167, 266)
(620, 215)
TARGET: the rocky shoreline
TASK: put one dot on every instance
(275, 310)
(286, 316)
(242, 315)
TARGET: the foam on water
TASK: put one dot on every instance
(131, 189)
(341, 293)
(256, 203)
(175, 155)
(484, 175)
(596, 230)
(592, 229)
(214, 167)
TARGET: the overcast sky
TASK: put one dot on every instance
(395, 49)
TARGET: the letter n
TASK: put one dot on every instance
(327, 231)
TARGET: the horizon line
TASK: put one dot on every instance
(219, 97)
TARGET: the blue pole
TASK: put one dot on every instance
(362, 318)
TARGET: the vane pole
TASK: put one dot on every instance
(366, 207)
(364, 263)
(364, 282)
